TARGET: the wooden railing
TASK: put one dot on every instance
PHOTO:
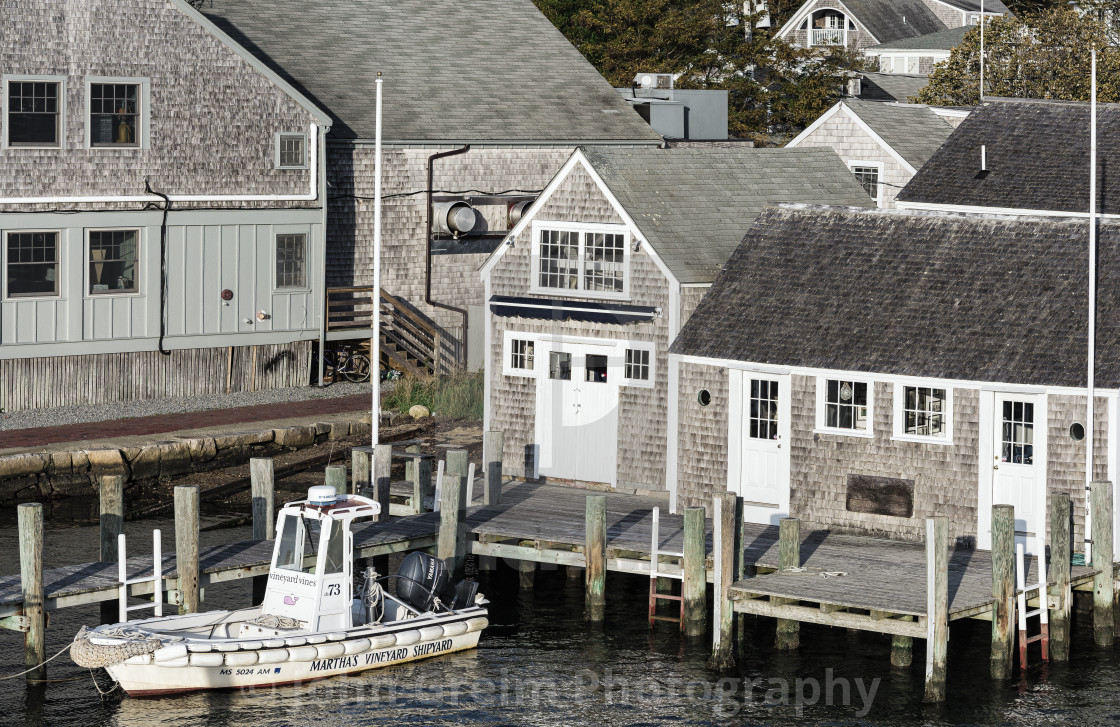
(410, 341)
(828, 36)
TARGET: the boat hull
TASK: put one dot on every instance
(153, 679)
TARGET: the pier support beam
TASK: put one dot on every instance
(1003, 590)
(457, 466)
(1100, 493)
(452, 539)
(335, 476)
(726, 540)
(595, 556)
(262, 474)
(789, 556)
(902, 647)
(421, 479)
(186, 547)
(361, 469)
(695, 586)
(493, 448)
(1060, 527)
(30, 523)
(937, 607)
(382, 466)
(112, 525)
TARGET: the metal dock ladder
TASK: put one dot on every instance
(655, 573)
(1022, 592)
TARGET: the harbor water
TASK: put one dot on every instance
(541, 663)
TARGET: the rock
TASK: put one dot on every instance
(301, 436)
(174, 458)
(243, 439)
(202, 449)
(145, 463)
(20, 465)
(61, 462)
(323, 429)
(361, 429)
(106, 462)
(419, 411)
(339, 430)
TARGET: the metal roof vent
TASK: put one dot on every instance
(454, 218)
(517, 211)
(660, 81)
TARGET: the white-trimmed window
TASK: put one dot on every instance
(579, 259)
(291, 260)
(870, 175)
(291, 151)
(114, 114)
(31, 263)
(35, 111)
(845, 405)
(638, 365)
(923, 412)
(519, 354)
(113, 257)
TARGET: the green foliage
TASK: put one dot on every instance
(1043, 55)
(459, 396)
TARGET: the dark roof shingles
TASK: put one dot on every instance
(915, 132)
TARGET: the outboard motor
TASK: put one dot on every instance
(421, 578)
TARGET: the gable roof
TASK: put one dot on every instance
(485, 70)
(914, 131)
(692, 204)
(943, 40)
(890, 20)
(913, 294)
(1037, 159)
(891, 86)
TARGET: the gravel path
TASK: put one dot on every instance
(79, 414)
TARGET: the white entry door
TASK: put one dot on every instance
(764, 447)
(577, 418)
(1019, 464)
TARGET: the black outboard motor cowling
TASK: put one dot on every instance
(422, 578)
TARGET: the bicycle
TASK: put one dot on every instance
(352, 365)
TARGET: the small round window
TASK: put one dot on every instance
(704, 397)
(1077, 431)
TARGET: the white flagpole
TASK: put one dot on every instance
(1092, 335)
(375, 343)
(981, 50)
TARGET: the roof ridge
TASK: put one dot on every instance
(943, 214)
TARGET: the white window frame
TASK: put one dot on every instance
(651, 349)
(879, 185)
(507, 354)
(59, 267)
(867, 433)
(87, 292)
(308, 251)
(143, 113)
(900, 434)
(280, 136)
(8, 79)
(583, 230)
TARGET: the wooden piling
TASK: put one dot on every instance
(452, 544)
(335, 476)
(526, 574)
(726, 544)
(457, 465)
(382, 468)
(361, 469)
(789, 556)
(695, 585)
(1060, 576)
(262, 474)
(112, 525)
(30, 523)
(1003, 591)
(410, 473)
(1100, 493)
(902, 647)
(595, 557)
(421, 478)
(186, 547)
(493, 447)
(937, 607)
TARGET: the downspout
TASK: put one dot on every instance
(323, 129)
(428, 271)
(162, 266)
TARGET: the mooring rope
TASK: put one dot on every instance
(42, 663)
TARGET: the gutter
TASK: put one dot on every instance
(322, 159)
(428, 244)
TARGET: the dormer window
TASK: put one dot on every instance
(291, 151)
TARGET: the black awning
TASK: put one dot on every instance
(570, 310)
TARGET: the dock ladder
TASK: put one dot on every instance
(1023, 592)
(655, 573)
(156, 579)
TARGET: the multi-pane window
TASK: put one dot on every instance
(595, 262)
(845, 405)
(604, 261)
(869, 178)
(34, 113)
(1018, 432)
(521, 354)
(291, 151)
(924, 411)
(560, 365)
(113, 261)
(32, 264)
(291, 261)
(636, 365)
(559, 259)
(114, 112)
(764, 409)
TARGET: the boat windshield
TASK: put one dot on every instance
(303, 559)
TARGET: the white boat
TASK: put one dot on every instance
(310, 626)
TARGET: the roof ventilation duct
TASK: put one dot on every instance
(454, 218)
(517, 211)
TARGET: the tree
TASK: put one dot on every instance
(1041, 55)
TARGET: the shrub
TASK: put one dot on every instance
(457, 396)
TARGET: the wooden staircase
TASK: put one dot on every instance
(410, 342)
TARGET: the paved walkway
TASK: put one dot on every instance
(22, 438)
